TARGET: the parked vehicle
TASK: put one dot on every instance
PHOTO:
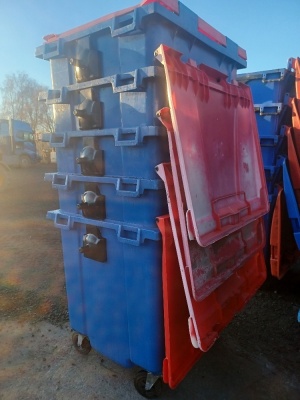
(17, 145)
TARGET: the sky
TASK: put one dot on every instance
(267, 29)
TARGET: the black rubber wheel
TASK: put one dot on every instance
(140, 385)
(85, 347)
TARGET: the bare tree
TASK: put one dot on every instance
(20, 101)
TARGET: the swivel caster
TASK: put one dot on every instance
(81, 343)
(148, 385)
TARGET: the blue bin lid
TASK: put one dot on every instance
(171, 10)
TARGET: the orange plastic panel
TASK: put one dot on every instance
(294, 166)
(209, 266)
(218, 148)
(208, 317)
(283, 248)
(296, 66)
(180, 354)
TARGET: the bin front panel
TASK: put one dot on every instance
(116, 302)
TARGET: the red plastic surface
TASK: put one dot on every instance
(284, 250)
(180, 354)
(296, 66)
(208, 317)
(209, 266)
(242, 53)
(218, 149)
(293, 158)
(171, 5)
(211, 32)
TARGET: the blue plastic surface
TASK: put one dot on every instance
(271, 147)
(138, 201)
(271, 85)
(128, 39)
(271, 122)
(117, 303)
(132, 143)
(292, 206)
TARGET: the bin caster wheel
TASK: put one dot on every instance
(81, 343)
(148, 385)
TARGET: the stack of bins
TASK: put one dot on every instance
(107, 87)
(272, 91)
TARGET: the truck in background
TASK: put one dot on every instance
(17, 145)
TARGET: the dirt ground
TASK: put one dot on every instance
(257, 356)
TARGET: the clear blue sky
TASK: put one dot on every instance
(267, 29)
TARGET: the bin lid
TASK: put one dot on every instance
(218, 302)
(173, 14)
(218, 148)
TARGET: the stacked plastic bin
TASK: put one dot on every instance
(272, 92)
(275, 94)
(108, 83)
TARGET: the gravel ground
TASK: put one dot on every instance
(257, 356)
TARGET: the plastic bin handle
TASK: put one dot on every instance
(60, 181)
(63, 221)
(127, 137)
(128, 188)
(126, 82)
(268, 108)
(129, 235)
(124, 23)
(58, 140)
